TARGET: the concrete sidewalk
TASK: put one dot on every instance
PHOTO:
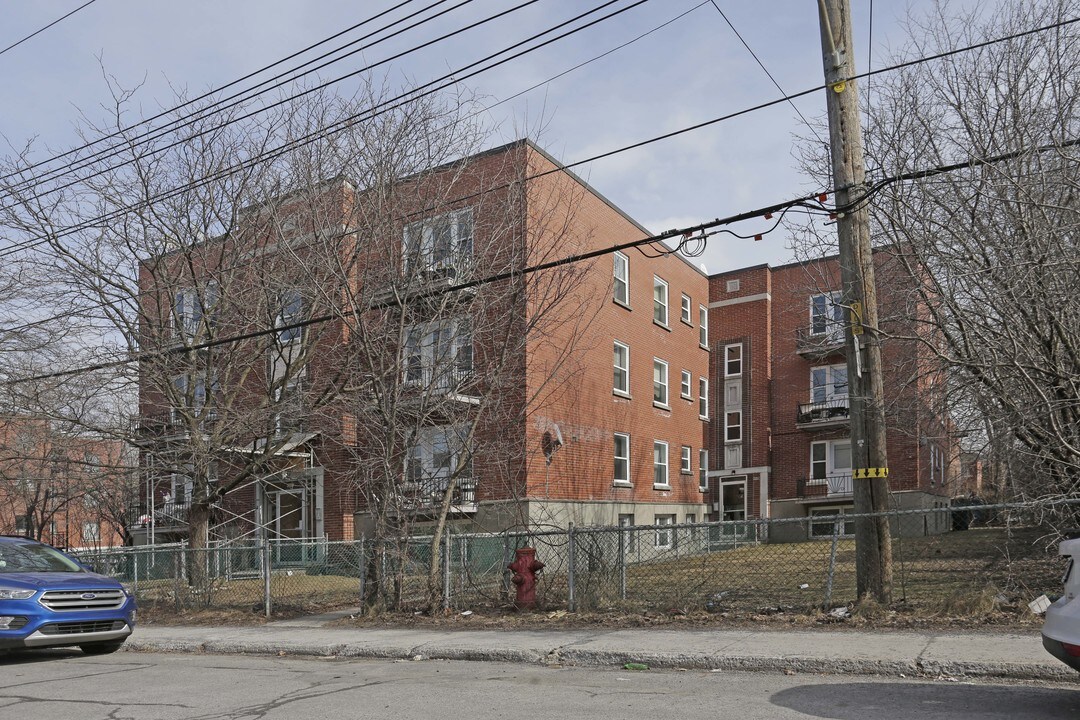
(911, 654)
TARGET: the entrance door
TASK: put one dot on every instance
(288, 524)
(733, 509)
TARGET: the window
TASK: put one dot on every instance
(622, 369)
(937, 465)
(433, 459)
(830, 458)
(626, 520)
(442, 244)
(684, 309)
(733, 360)
(438, 354)
(684, 385)
(192, 395)
(665, 531)
(684, 460)
(733, 426)
(194, 309)
(291, 311)
(622, 459)
(660, 300)
(703, 469)
(828, 383)
(703, 398)
(732, 285)
(181, 486)
(660, 383)
(703, 326)
(91, 532)
(826, 315)
(621, 291)
(660, 464)
(824, 528)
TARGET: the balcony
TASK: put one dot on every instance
(171, 424)
(423, 497)
(831, 413)
(166, 516)
(818, 341)
(827, 488)
(431, 383)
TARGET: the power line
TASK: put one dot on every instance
(41, 30)
(762, 66)
(813, 203)
(432, 87)
(163, 113)
(145, 138)
(352, 120)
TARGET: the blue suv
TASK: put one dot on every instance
(48, 599)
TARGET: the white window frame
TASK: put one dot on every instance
(829, 447)
(686, 466)
(703, 326)
(193, 309)
(625, 439)
(665, 531)
(684, 385)
(685, 305)
(429, 445)
(703, 398)
(661, 465)
(847, 527)
(660, 301)
(438, 354)
(737, 362)
(826, 313)
(703, 469)
(733, 430)
(621, 280)
(826, 389)
(430, 255)
(623, 371)
(290, 311)
(660, 384)
(94, 534)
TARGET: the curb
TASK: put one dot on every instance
(616, 659)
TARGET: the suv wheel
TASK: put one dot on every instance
(101, 648)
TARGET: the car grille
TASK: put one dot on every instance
(62, 600)
(78, 628)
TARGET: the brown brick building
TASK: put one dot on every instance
(780, 434)
(574, 394)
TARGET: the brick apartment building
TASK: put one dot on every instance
(63, 489)
(575, 394)
(780, 434)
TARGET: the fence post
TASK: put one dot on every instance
(363, 567)
(571, 567)
(622, 562)
(832, 563)
(446, 541)
(135, 585)
(506, 564)
(265, 562)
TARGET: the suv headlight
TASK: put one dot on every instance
(128, 590)
(15, 594)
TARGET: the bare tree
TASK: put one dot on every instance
(992, 250)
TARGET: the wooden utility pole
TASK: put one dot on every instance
(873, 543)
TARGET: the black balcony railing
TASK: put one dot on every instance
(173, 422)
(820, 340)
(165, 515)
(826, 487)
(427, 494)
(834, 410)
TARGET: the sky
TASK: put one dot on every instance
(688, 69)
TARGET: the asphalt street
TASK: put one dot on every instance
(53, 684)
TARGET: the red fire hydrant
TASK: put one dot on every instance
(525, 567)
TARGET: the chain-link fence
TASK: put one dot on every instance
(947, 561)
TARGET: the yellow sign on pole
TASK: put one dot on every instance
(865, 473)
(856, 318)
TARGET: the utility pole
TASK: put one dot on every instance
(873, 544)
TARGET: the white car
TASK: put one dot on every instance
(1061, 630)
